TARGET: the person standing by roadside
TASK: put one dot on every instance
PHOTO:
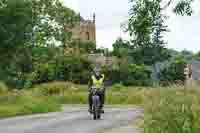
(188, 75)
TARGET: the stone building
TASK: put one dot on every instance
(85, 30)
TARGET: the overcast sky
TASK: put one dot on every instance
(184, 31)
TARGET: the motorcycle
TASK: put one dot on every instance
(96, 110)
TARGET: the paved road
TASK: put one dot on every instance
(71, 120)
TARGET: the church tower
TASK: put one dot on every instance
(85, 30)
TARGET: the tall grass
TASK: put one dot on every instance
(171, 110)
(77, 94)
(125, 95)
(23, 104)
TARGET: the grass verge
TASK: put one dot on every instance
(172, 110)
(26, 104)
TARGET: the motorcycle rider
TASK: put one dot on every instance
(97, 81)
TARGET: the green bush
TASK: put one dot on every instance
(75, 69)
(131, 75)
(45, 72)
(54, 88)
(57, 88)
(173, 72)
(84, 47)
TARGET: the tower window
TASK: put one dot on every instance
(88, 35)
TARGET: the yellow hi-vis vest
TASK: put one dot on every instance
(97, 83)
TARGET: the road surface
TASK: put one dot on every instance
(71, 120)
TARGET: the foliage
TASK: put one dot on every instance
(146, 27)
(174, 71)
(54, 88)
(45, 72)
(130, 75)
(50, 20)
(184, 7)
(56, 66)
(121, 48)
(105, 51)
(100, 50)
(25, 25)
(84, 47)
(15, 28)
(186, 52)
(75, 69)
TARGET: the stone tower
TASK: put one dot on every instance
(85, 31)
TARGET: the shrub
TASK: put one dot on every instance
(57, 88)
(45, 72)
(174, 71)
(75, 69)
(54, 88)
(131, 75)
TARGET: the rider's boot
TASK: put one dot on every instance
(90, 110)
(102, 102)
(102, 110)
(90, 103)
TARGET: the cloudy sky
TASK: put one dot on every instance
(110, 14)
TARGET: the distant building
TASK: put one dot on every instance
(85, 30)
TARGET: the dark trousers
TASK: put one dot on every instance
(101, 95)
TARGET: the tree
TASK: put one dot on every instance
(146, 27)
(50, 20)
(186, 52)
(83, 47)
(121, 48)
(15, 30)
(183, 7)
(173, 71)
(25, 24)
(15, 27)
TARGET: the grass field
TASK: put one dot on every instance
(166, 110)
(49, 98)
(172, 110)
